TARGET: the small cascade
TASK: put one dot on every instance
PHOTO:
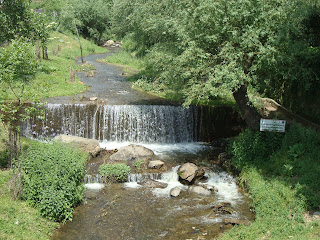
(139, 177)
(225, 184)
(96, 178)
(93, 182)
(116, 123)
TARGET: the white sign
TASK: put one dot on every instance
(272, 125)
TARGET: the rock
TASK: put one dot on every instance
(211, 188)
(199, 190)
(223, 208)
(108, 43)
(156, 164)
(175, 192)
(236, 221)
(189, 172)
(93, 99)
(131, 152)
(153, 184)
(87, 145)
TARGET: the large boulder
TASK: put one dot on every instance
(131, 152)
(153, 184)
(87, 145)
(199, 190)
(189, 172)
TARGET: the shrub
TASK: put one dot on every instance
(52, 176)
(114, 172)
(4, 158)
(294, 157)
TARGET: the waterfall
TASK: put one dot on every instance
(120, 123)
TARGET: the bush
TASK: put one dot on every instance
(114, 172)
(293, 156)
(52, 176)
(4, 158)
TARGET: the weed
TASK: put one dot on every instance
(138, 163)
(114, 172)
(52, 177)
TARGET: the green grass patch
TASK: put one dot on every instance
(144, 79)
(114, 172)
(282, 175)
(56, 76)
(17, 219)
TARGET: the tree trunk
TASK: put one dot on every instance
(247, 110)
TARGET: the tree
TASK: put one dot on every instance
(210, 47)
(92, 18)
(18, 66)
(18, 20)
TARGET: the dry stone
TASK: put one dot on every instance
(188, 172)
(131, 152)
(175, 192)
(156, 164)
(199, 190)
(87, 145)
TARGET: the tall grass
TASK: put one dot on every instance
(282, 175)
(17, 219)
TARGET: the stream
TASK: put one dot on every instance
(177, 135)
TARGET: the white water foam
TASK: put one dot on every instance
(132, 185)
(160, 149)
(226, 186)
(172, 179)
(94, 186)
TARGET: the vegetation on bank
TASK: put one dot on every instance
(114, 172)
(52, 177)
(281, 174)
(17, 219)
(57, 75)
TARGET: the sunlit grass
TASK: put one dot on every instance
(17, 219)
(54, 77)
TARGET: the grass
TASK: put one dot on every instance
(17, 219)
(281, 174)
(142, 79)
(55, 77)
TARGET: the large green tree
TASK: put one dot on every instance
(18, 66)
(210, 47)
(91, 17)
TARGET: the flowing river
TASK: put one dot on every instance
(177, 135)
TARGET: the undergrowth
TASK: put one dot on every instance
(18, 220)
(52, 177)
(56, 76)
(114, 172)
(144, 78)
(282, 175)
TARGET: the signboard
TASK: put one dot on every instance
(272, 125)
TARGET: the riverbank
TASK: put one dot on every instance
(281, 175)
(17, 219)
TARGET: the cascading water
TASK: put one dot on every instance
(120, 123)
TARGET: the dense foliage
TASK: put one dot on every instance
(17, 219)
(293, 157)
(52, 176)
(114, 172)
(280, 171)
(208, 48)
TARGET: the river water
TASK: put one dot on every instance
(177, 135)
